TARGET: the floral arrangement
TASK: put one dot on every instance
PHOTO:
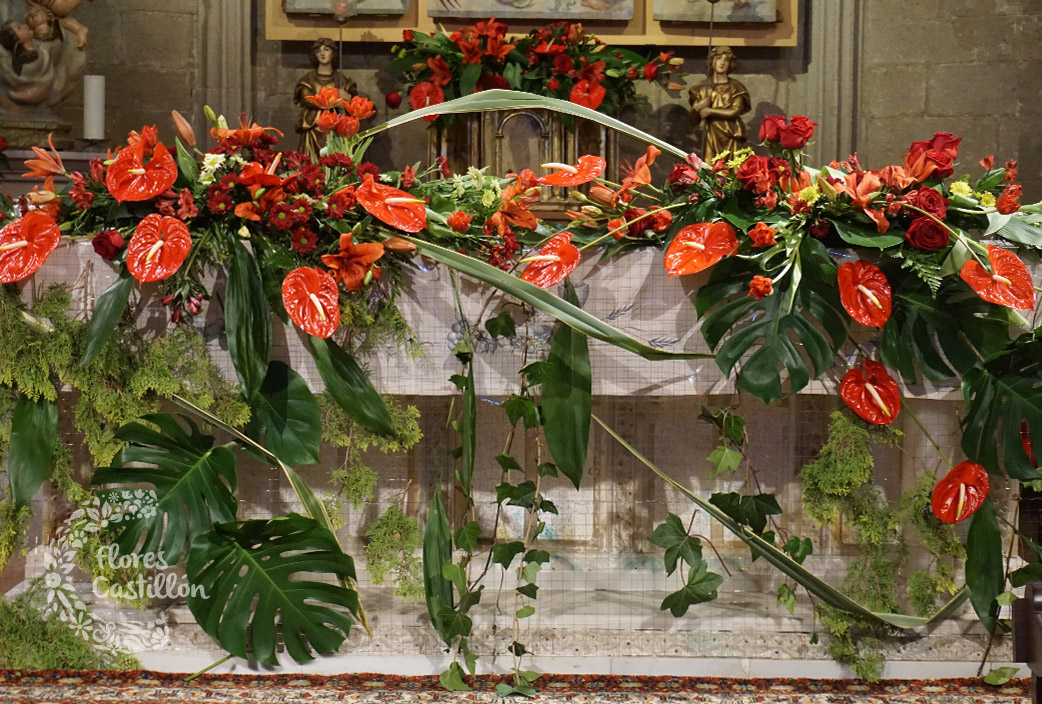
(905, 270)
(557, 61)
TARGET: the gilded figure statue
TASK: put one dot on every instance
(325, 72)
(718, 102)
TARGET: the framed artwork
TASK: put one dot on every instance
(353, 7)
(583, 10)
(726, 11)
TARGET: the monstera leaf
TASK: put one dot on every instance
(1003, 391)
(194, 484)
(942, 337)
(250, 586)
(783, 329)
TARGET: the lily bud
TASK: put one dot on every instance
(184, 129)
(676, 61)
(672, 85)
(208, 111)
(591, 210)
(600, 194)
(397, 244)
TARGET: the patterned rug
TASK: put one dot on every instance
(66, 687)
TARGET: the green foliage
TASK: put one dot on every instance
(13, 520)
(29, 640)
(394, 538)
(851, 644)
(1000, 675)
(751, 511)
(375, 326)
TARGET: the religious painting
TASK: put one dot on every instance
(725, 11)
(348, 7)
(582, 10)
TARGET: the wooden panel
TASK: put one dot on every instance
(643, 29)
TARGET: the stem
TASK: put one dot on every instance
(209, 667)
(626, 225)
(928, 436)
(975, 248)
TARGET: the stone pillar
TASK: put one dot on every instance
(226, 63)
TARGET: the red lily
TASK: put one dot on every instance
(699, 246)
(1007, 284)
(247, 133)
(861, 187)
(588, 168)
(958, 495)
(353, 261)
(44, 164)
(865, 292)
(311, 300)
(639, 174)
(158, 247)
(25, 245)
(555, 261)
(871, 393)
(129, 178)
(392, 206)
(442, 73)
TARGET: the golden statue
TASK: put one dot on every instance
(325, 73)
(718, 101)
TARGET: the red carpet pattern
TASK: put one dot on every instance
(62, 687)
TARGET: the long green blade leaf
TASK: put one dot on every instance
(34, 433)
(107, 310)
(286, 412)
(566, 397)
(512, 100)
(468, 431)
(984, 574)
(248, 320)
(437, 550)
(819, 588)
(349, 386)
(547, 302)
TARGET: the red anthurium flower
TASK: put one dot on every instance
(353, 261)
(865, 293)
(129, 178)
(959, 494)
(588, 168)
(392, 206)
(311, 300)
(589, 94)
(699, 246)
(1008, 283)
(424, 94)
(871, 393)
(158, 247)
(25, 245)
(555, 261)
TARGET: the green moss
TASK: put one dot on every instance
(373, 325)
(13, 520)
(393, 541)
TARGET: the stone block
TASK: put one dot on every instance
(987, 38)
(160, 39)
(181, 7)
(983, 89)
(142, 88)
(904, 10)
(898, 90)
(884, 141)
(1021, 139)
(894, 41)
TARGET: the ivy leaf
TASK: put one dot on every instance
(456, 623)
(285, 411)
(107, 311)
(1005, 598)
(248, 320)
(518, 408)
(537, 372)
(504, 553)
(1001, 393)
(731, 425)
(454, 573)
(701, 586)
(778, 330)
(799, 549)
(528, 590)
(1028, 573)
(754, 552)
(673, 537)
(1000, 675)
(525, 611)
(437, 550)
(452, 679)
(750, 511)
(567, 397)
(943, 335)
(787, 598)
(517, 649)
(467, 536)
(507, 462)
(34, 433)
(547, 469)
(537, 556)
(522, 494)
(984, 574)
(724, 459)
(502, 325)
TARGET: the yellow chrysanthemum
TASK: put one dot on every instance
(985, 199)
(739, 158)
(961, 188)
(810, 194)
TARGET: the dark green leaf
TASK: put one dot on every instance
(256, 591)
(34, 433)
(468, 431)
(504, 553)
(285, 411)
(518, 408)
(537, 372)
(750, 510)
(507, 463)
(799, 549)
(528, 590)
(469, 599)
(567, 398)
(522, 494)
(547, 469)
(724, 459)
(517, 649)
(701, 586)
(754, 552)
(456, 624)
(673, 537)
(469, 78)
(1027, 573)
(194, 484)
(437, 550)
(248, 320)
(865, 235)
(504, 690)
(1001, 394)
(537, 556)
(107, 311)
(452, 678)
(467, 536)
(984, 574)
(350, 387)
(787, 598)
(502, 325)
(769, 334)
(730, 424)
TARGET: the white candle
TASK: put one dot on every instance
(94, 107)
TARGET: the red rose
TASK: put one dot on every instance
(636, 229)
(490, 81)
(632, 72)
(393, 99)
(108, 244)
(563, 63)
(942, 142)
(1009, 201)
(933, 159)
(3, 144)
(683, 175)
(650, 71)
(929, 200)
(553, 84)
(459, 221)
(926, 234)
(797, 133)
(770, 128)
(660, 219)
(762, 235)
(757, 173)
(760, 287)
